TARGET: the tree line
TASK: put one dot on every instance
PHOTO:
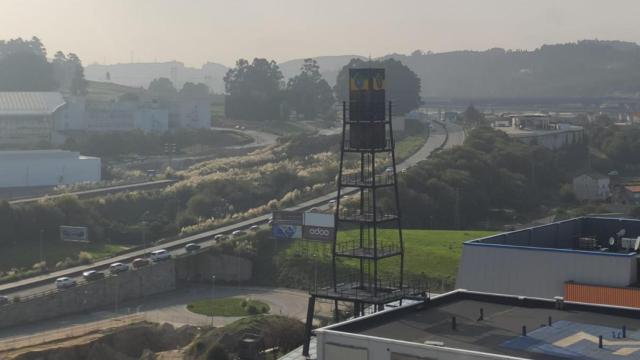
(256, 90)
(490, 174)
(24, 67)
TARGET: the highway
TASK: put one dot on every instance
(99, 191)
(42, 283)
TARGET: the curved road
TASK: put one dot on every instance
(43, 283)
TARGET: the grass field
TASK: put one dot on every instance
(228, 307)
(435, 253)
(409, 145)
(25, 255)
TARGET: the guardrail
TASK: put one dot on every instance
(49, 292)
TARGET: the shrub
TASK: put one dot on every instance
(252, 310)
(85, 258)
(217, 352)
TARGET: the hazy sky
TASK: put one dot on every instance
(196, 31)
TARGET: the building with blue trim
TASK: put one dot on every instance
(539, 261)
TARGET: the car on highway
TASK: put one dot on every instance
(4, 300)
(137, 263)
(332, 202)
(65, 282)
(238, 233)
(159, 255)
(254, 228)
(92, 275)
(220, 237)
(270, 222)
(389, 170)
(192, 247)
(118, 267)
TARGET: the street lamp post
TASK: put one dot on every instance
(144, 234)
(41, 244)
(213, 294)
(315, 272)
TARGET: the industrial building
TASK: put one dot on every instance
(28, 118)
(539, 129)
(581, 257)
(591, 186)
(46, 168)
(474, 325)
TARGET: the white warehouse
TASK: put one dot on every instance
(46, 168)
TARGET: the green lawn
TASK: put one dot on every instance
(435, 253)
(409, 145)
(25, 255)
(228, 307)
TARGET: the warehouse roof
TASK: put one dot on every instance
(573, 332)
(30, 103)
(565, 236)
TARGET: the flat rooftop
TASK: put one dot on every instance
(573, 332)
(527, 132)
(565, 236)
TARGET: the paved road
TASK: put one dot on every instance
(171, 307)
(260, 138)
(45, 282)
(100, 191)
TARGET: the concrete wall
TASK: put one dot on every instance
(46, 168)
(539, 272)
(202, 266)
(334, 345)
(153, 279)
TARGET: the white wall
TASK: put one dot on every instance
(374, 348)
(539, 273)
(46, 168)
(194, 113)
(151, 120)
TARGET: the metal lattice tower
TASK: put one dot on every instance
(367, 145)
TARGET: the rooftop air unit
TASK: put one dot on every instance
(630, 244)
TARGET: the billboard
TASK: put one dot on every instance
(284, 231)
(319, 219)
(366, 95)
(74, 233)
(287, 217)
(320, 233)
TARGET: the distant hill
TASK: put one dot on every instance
(141, 74)
(329, 66)
(586, 68)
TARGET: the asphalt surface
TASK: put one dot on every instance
(171, 308)
(100, 191)
(42, 283)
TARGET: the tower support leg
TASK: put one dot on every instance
(308, 326)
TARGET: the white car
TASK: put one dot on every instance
(238, 233)
(65, 282)
(389, 170)
(159, 255)
(333, 201)
(118, 268)
(219, 237)
(254, 228)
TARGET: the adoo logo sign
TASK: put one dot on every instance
(317, 233)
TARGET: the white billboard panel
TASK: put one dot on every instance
(318, 219)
